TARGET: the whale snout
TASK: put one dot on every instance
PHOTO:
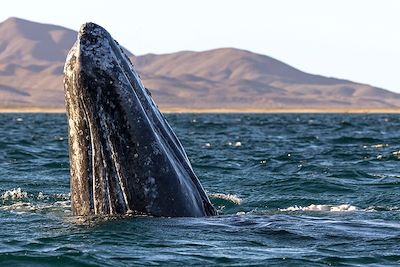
(124, 156)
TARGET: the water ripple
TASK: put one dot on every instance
(291, 189)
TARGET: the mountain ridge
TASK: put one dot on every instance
(32, 56)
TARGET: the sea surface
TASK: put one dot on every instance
(291, 190)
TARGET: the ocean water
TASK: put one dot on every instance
(291, 190)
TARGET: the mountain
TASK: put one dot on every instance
(32, 56)
(230, 77)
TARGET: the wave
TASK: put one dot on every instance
(329, 208)
(14, 194)
(228, 197)
(339, 208)
(377, 146)
(382, 208)
(20, 201)
(23, 207)
(19, 194)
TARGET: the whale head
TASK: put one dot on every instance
(124, 156)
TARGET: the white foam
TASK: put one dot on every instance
(19, 194)
(379, 145)
(40, 196)
(14, 194)
(22, 202)
(63, 196)
(329, 208)
(380, 208)
(232, 198)
(237, 144)
(396, 153)
(23, 207)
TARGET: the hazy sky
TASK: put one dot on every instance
(353, 39)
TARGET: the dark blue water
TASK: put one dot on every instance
(291, 189)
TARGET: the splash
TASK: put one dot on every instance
(232, 198)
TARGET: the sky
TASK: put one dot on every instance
(357, 40)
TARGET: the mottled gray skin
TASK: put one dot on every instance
(124, 156)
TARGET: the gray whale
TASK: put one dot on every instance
(124, 156)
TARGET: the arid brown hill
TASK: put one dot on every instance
(32, 56)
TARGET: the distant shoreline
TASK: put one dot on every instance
(225, 110)
(280, 110)
(32, 110)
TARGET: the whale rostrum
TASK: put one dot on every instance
(124, 156)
